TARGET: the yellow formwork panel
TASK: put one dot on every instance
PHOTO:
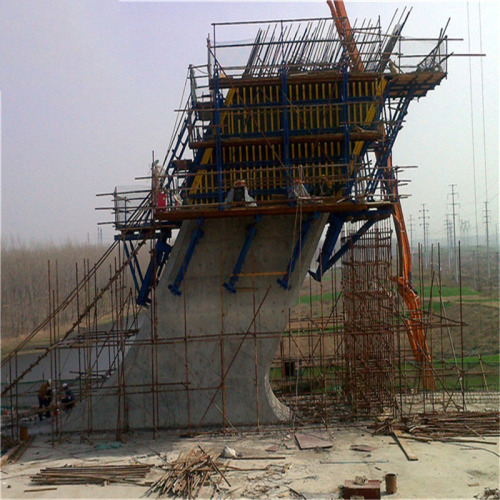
(253, 113)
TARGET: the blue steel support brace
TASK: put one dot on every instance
(137, 265)
(332, 235)
(379, 170)
(251, 232)
(176, 153)
(304, 233)
(131, 265)
(352, 240)
(195, 238)
(156, 264)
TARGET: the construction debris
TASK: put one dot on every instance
(309, 441)
(16, 451)
(362, 488)
(99, 474)
(362, 447)
(8, 443)
(489, 494)
(39, 489)
(228, 452)
(398, 437)
(444, 426)
(188, 474)
(9, 454)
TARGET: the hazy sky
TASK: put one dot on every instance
(89, 88)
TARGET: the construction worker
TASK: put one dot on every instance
(44, 400)
(239, 194)
(326, 186)
(68, 398)
(299, 190)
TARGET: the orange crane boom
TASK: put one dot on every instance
(344, 30)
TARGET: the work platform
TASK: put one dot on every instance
(349, 209)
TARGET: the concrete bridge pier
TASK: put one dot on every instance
(210, 364)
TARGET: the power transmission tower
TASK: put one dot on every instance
(411, 226)
(449, 237)
(487, 225)
(454, 204)
(425, 225)
(464, 231)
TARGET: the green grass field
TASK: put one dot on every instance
(447, 377)
(448, 291)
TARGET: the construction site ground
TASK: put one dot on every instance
(279, 469)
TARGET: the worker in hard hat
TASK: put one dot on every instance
(239, 194)
(68, 398)
(299, 190)
(44, 400)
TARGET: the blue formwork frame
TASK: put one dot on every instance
(144, 283)
(327, 259)
(396, 120)
(134, 268)
(284, 282)
(335, 224)
(176, 153)
(251, 232)
(156, 265)
(195, 239)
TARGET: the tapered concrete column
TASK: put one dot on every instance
(216, 368)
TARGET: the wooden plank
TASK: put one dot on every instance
(399, 438)
(362, 447)
(6, 457)
(39, 489)
(24, 446)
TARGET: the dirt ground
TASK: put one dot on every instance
(443, 470)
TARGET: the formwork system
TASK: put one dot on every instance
(302, 129)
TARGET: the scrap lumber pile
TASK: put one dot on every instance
(187, 475)
(440, 426)
(99, 474)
